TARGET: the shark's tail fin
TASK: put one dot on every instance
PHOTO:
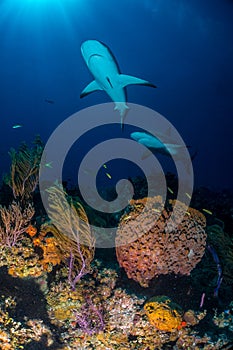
(122, 108)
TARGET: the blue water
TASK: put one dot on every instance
(184, 47)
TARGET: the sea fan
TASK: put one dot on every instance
(72, 230)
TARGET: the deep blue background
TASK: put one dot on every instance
(184, 47)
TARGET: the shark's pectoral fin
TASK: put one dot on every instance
(93, 86)
(146, 154)
(125, 80)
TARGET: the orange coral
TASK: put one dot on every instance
(50, 247)
(37, 241)
(155, 251)
(164, 314)
(51, 253)
(36, 258)
(31, 231)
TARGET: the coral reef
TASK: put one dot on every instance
(14, 334)
(65, 304)
(32, 256)
(158, 251)
(62, 303)
(24, 173)
(121, 309)
(225, 318)
(223, 244)
(13, 223)
(49, 245)
(101, 310)
(125, 320)
(22, 261)
(31, 230)
(164, 314)
(72, 231)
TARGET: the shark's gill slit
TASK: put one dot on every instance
(109, 81)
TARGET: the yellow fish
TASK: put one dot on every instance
(207, 211)
(170, 190)
(108, 175)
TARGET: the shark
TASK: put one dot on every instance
(107, 77)
(167, 148)
(154, 143)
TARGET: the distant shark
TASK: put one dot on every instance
(153, 143)
(104, 68)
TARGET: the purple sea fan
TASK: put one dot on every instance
(90, 318)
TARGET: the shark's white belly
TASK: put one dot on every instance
(106, 75)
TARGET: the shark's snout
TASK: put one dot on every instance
(91, 48)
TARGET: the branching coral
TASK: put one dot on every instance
(13, 222)
(24, 173)
(157, 251)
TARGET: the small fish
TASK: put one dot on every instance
(108, 175)
(127, 217)
(188, 195)
(156, 210)
(49, 101)
(170, 190)
(207, 211)
(48, 165)
(105, 166)
(17, 126)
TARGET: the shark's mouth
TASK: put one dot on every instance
(94, 55)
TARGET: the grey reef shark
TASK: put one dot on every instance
(107, 77)
(168, 148)
(153, 143)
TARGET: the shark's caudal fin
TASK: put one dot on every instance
(122, 108)
(125, 80)
(93, 86)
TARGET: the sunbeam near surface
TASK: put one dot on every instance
(16, 13)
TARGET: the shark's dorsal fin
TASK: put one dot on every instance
(125, 80)
(93, 86)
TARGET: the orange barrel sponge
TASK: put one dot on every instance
(164, 314)
(145, 248)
